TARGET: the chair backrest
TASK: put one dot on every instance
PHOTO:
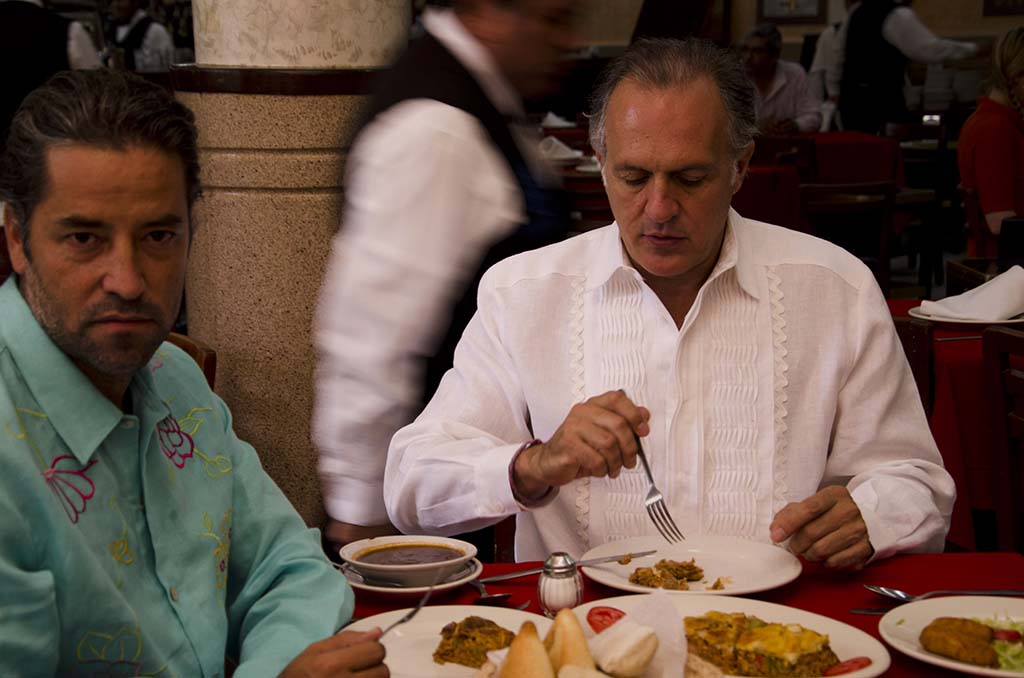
(927, 167)
(916, 336)
(857, 217)
(1004, 386)
(204, 356)
(798, 151)
(770, 193)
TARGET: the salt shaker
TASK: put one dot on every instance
(560, 584)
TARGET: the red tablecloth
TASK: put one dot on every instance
(853, 157)
(817, 590)
(957, 420)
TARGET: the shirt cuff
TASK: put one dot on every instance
(527, 503)
(354, 501)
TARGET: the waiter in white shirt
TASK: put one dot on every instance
(760, 365)
(439, 186)
(879, 38)
(147, 45)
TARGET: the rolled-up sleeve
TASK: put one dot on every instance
(882, 447)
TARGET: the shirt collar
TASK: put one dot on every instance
(778, 81)
(610, 257)
(76, 409)
(450, 32)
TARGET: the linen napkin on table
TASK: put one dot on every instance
(1001, 298)
(552, 120)
(553, 149)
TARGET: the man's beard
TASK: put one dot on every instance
(122, 356)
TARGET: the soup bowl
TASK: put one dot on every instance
(408, 560)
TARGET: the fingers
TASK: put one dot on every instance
(619, 403)
(344, 639)
(354, 658)
(833, 530)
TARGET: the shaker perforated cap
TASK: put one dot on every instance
(559, 564)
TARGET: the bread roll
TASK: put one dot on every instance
(566, 644)
(527, 657)
(625, 649)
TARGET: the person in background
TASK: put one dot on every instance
(759, 365)
(787, 103)
(991, 147)
(879, 38)
(141, 536)
(440, 186)
(35, 43)
(147, 45)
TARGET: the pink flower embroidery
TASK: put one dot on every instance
(175, 443)
(72, 487)
(155, 364)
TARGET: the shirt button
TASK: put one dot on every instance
(127, 423)
(174, 594)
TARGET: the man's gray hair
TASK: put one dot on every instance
(769, 32)
(661, 63)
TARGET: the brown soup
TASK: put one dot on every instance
(408, 554)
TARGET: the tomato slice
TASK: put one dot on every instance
(601, 617)
(1006, 634)
(849, 666)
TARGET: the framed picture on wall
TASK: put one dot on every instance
(1003, 7)
(795, 11)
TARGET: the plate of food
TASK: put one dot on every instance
(701, 564)
(447, 640)
(980, 635)
(744, 637)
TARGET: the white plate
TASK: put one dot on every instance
(846, 641)
(472, 571)
(916, 312)
(410, 646)
(749, 565)
(902, 626)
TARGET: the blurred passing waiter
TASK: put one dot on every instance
(881, 36)
(35, 43)
(441, 184)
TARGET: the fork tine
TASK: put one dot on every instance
(666, 520)
(655, 518)
(671, 523)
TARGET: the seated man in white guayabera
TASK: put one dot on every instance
(759, 365)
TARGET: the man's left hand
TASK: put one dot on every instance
(827, 526)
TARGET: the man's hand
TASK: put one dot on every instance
(826, 526)
(339, 533)
(596, 439)
(347, 653)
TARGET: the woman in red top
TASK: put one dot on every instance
(991, 146)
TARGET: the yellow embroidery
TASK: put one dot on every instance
(120, 549)
(223, 550)
(18, 412)
(122, 648)
(216, 466)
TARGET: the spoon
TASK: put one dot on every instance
(905, 597)
(488, 598)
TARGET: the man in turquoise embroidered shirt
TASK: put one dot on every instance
(139, 535)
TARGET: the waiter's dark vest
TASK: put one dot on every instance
(871, 89)
(429, 71)
(131, 41)
(33, 46)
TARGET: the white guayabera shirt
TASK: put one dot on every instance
(787, 375)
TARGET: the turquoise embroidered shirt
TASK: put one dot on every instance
(150, 543)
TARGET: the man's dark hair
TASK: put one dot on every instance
(662, 63)
(769, 32)
(107, 109)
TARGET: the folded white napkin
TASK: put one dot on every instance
(553, 120)
(1001, 298)
(553, 149)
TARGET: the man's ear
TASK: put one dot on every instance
(741, 166)
(15, 241)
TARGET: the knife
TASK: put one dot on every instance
(582, 563)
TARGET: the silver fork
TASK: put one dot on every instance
(655, 503)
(411, 613)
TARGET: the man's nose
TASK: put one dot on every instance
(123, 275)
(662, 204)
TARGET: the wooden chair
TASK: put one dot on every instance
(916, 336)
(5, 261)
(204, 356)
(857, 217)
(1003, 350)
(770, 193)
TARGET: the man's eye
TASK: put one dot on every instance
(162, 236)
(634, 181)
(692, 181)
(82, 239)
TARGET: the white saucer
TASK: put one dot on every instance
(916, 312)
(472, 571)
